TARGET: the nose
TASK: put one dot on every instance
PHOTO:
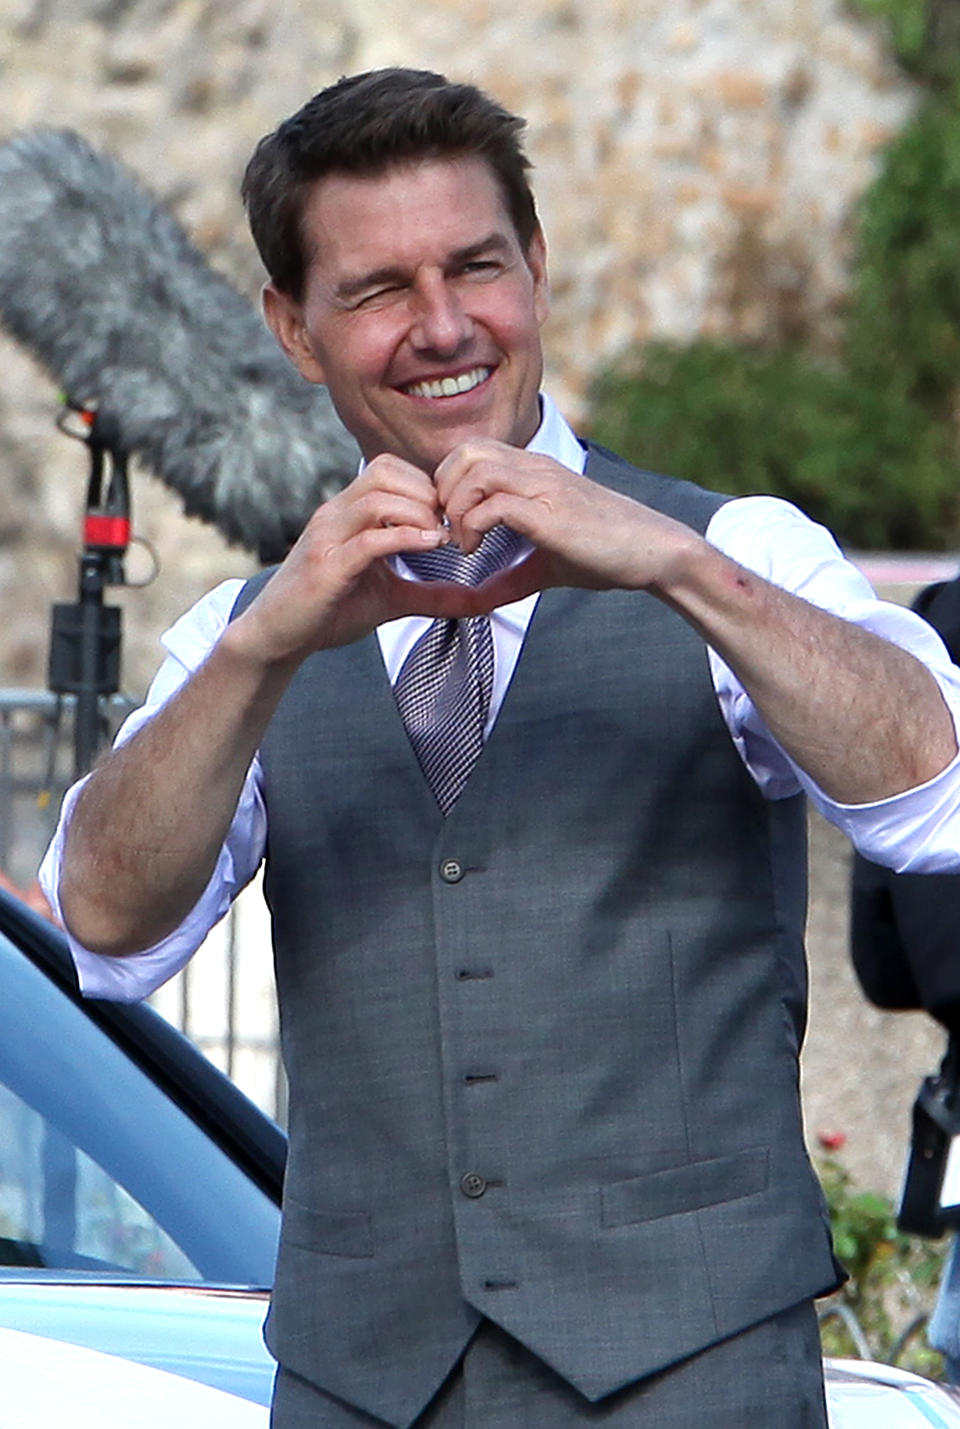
(440, 323)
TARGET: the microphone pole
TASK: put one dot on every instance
(85, 635)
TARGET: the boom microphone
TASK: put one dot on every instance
(105, 289)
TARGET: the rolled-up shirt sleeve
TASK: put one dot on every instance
(128, 979)
(911, 832)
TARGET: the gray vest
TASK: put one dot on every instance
(542, 1053)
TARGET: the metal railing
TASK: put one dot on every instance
(35, 765)
(223, 1000)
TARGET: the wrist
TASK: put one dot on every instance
(248, 654)
(687, 566)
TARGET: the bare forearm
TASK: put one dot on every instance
(148, 826)
(863, 717)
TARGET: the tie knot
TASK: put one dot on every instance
(448, 563)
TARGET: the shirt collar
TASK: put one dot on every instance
(555, 438)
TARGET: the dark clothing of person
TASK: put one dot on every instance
(905, 928)
(905, 944)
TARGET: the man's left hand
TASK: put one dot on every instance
(583, 534)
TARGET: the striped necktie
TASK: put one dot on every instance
(444, 685)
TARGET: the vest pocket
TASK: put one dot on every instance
(683, 1188)
(328, 1232)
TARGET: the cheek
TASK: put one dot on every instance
(363, 358)
(349, 369)
(523, 341)
(518, 324)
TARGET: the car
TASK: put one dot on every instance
(139, 1189)
(46, 1384)
(864, 1395)
(140, 1207)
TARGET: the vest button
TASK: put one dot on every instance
(451, 871)
(472, 1185)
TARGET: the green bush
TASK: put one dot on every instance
(893, 1278)
(907, 21)
(865, 460)
(904, 322)
(924, 35)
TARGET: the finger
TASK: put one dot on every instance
(335, 524)
(522, 514)
(533, 574)
(478, 503)
(481, 484)
(469, 474)
(465, 456)
(530, 516)
(391, 473)
(377, 543)
(387, 508)
(379, 483)
(436, 599)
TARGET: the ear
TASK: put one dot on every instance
(536, 258)
(286, 320)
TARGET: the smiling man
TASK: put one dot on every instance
(523, 735)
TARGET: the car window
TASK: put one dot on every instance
(59, 1208)
(99, 1170)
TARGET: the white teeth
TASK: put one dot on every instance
(450, 386)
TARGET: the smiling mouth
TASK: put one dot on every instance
(450, 386)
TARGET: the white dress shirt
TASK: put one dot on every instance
(766, 535)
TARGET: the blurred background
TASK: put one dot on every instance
(751, 209)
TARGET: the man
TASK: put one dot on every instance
(541, 1008)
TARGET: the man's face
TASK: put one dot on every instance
(421, 312)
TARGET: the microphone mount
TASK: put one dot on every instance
(85, 636)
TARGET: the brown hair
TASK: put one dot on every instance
(363, 125)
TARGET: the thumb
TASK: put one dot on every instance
(436, 599)
(531, 575)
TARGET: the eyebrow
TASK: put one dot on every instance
(495, 242)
